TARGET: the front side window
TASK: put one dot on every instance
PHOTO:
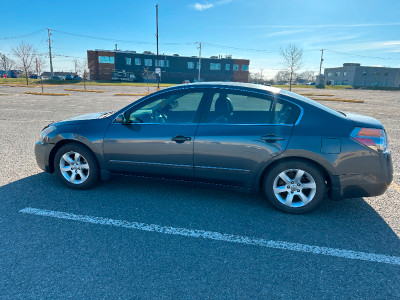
(138, 61)
(190, 65)
(242, 108)
(128, 61)
(245, 67)
(172, 108)
(167, 63)
(148, 62)
(227, 67)
(106, 59)
(330, 74)
(160, 63)
(235, 67)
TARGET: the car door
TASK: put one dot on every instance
(240, 133)
(157, 136)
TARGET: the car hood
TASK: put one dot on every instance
(86, 117)
(363, 121)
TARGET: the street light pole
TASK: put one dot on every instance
(198, 80)
(158, 64)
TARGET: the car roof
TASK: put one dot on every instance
(230, 84)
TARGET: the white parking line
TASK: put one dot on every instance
(349, 254)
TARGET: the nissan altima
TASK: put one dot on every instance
(294, 150)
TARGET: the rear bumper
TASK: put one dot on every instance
(42, 153)
(363, 185)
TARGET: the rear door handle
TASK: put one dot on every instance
(272, 138)
(180, 139)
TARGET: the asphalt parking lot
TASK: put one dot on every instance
(135, 238)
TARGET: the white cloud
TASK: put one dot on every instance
(285, 32)
(200, 7)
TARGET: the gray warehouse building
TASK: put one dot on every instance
(358, 76)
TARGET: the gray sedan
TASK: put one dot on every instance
(258, 138)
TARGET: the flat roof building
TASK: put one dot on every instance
(362, 76)
(133, 66)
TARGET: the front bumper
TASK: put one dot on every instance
(363, 185)
(42, 153)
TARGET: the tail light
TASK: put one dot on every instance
(372, 138)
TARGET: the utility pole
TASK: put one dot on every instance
(158, 63)
(262, 79)
(51, 59)
(320, 68)
(199, 47)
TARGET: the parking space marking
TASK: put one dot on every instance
(395, 186)
(342, 253)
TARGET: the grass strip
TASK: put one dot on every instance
(47, 94)
(89, 91)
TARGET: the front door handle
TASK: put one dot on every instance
(272, 138)
(180, 139)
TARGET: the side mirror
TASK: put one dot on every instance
(120, 119)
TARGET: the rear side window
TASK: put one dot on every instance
(242, 108)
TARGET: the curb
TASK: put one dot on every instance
(47, 94)
(326, 95)
(338, 100)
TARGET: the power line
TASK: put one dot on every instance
(236, 48)
(359, 55)
(21, 36)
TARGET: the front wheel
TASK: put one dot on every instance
(295, 186)
(76, 166)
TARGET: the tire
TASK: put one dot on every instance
(76, 166)
(294, 186)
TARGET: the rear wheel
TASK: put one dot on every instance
(76, 166)
(295, 186)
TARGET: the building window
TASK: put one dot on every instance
(337, 73)
(198, 65)
(344, 73)
(386, 73)
(128, 60)
(336, 82)
(374, 83)
(190, 65)
(330, 74)
(160, 63)
(106, 59)
(245, 67)
(235, 67)
(364, 73)
(215, 66)
(167, 63)
(227, 67)
(138, 61)
(148, 62)
(345, 82)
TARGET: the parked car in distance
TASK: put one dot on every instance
(295, 150)
(77, 77)
(68, 77)
(58, 78)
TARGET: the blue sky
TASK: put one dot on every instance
(352, 31)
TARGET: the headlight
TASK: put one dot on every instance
(46, 131)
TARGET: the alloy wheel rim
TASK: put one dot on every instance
(74, 167)
(294, 187)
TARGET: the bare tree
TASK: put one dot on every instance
(6, 64)
(307, 76)
(292, 61)
(25, 54)
(84, 69)
(282, 77)
(40, 64)
(76, 66)
(147, 75)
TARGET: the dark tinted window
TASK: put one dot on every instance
(172, 108)
(241, 108)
